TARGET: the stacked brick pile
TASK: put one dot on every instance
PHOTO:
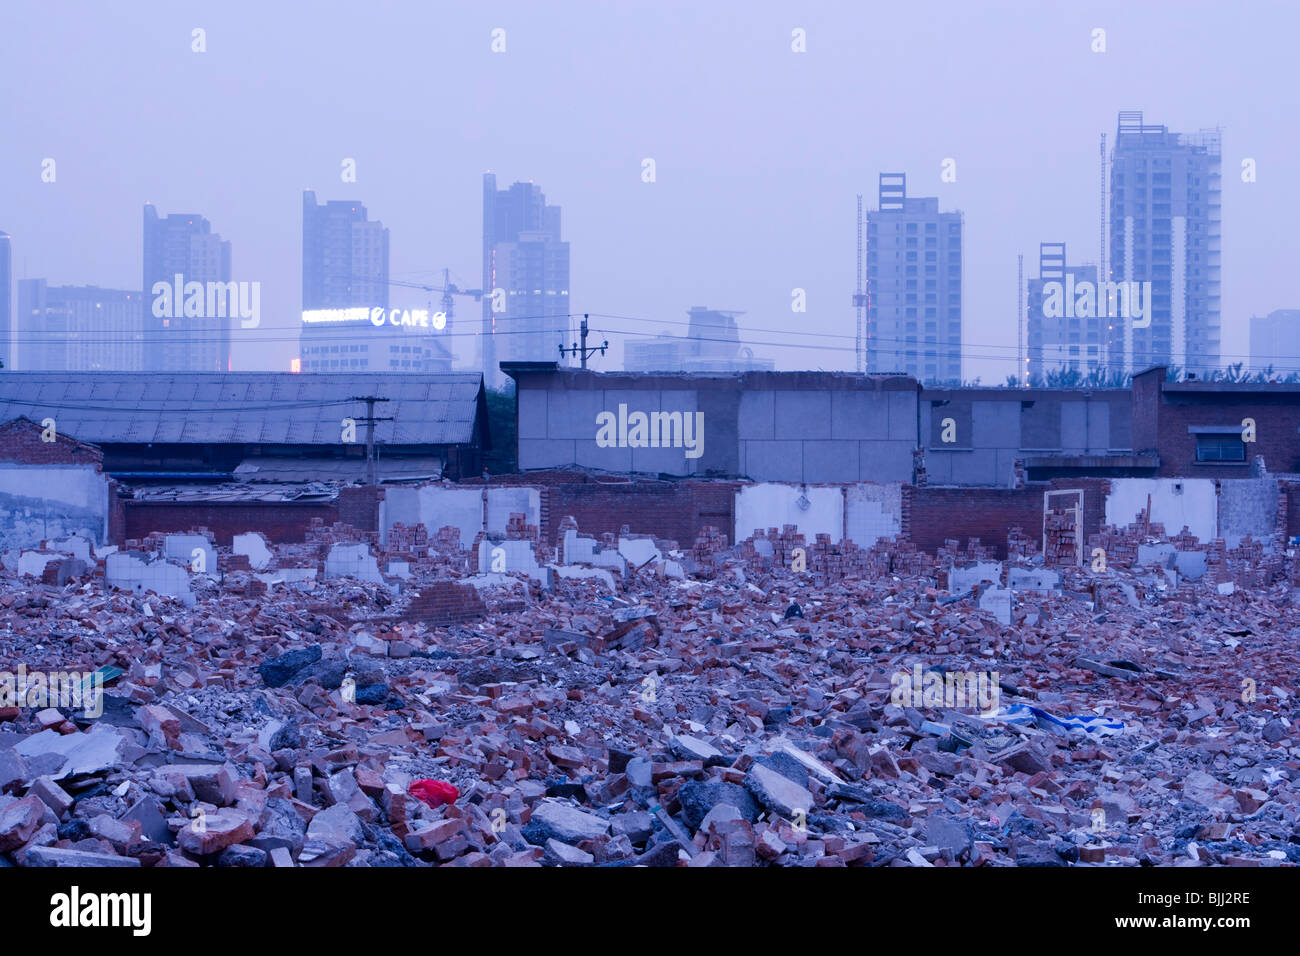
(952, 552)
(338, 533)
(710, 542)
(897, 556)
(832, 563)
(1019, 545)
(1059, 545)
(406, 540)
(518, 528)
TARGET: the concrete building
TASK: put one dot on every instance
(344, 256)
(766, 426)
(525, 278)
(178, 250)
(50, 488)
(261, 426)
(1165, 221)
(1061, 336)
(1275, 341)
(78, 328)
(914, 286)
(373, 340)
(1215, 429)
(711, 344)
(976, 436)
(344, 281)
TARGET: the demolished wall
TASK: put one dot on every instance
(437, 506)
(1175, 503)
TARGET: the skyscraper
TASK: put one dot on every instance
(6, 283)
(179, 337)
(524, 258)
(78, 328)
(344, 256)
(914, 285)
(1061, 335)
(711, 344)
(1165, 218)
(344, 281)
(1275, 341)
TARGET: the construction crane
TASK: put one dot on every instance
(448, 290)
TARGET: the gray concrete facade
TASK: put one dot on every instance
(990, 428)
(766, 426)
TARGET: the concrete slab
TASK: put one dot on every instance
(998, 602)
(33, 562)
(964, 578)
(1033, 579)
(638, 551)
(354, 561)
(194, 551)
(1160, 555)
(133, 571)
(74, 544)
(1190, 564)
(255, 547)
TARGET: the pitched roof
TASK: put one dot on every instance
(245, 407)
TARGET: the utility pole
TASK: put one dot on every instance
(372, 477)
(582, 350)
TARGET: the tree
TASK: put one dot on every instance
(501, 425)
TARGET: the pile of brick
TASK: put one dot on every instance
(339, 532)
(518, 528)
(953, 552)
(1020, 546)
(719, 720)
(408, 540)
(708, 543)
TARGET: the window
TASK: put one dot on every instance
(1221, 447)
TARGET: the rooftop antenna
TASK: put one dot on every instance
(860, 302)
(1023, 362)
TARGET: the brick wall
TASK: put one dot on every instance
(359, 507)
(1276, 435)
(933, 515)
(677, 510)
(20, 441)
(281, 522)
(444, 603)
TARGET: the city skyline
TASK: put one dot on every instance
(648, 249)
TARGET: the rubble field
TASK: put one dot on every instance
(712, 708)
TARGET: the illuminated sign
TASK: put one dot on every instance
(405, 318)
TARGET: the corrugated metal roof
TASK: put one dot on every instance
(249, 407)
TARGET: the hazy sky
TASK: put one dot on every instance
(759, 151)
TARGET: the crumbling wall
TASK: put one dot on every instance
(1175, 503)
(1247, 506)
(49, 501)
(282, 522)
(436, 506)
(872, 512)
(775, 506)
(940, 514)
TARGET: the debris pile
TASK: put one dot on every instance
(713, 707)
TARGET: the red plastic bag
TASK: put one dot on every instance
(434, 792)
